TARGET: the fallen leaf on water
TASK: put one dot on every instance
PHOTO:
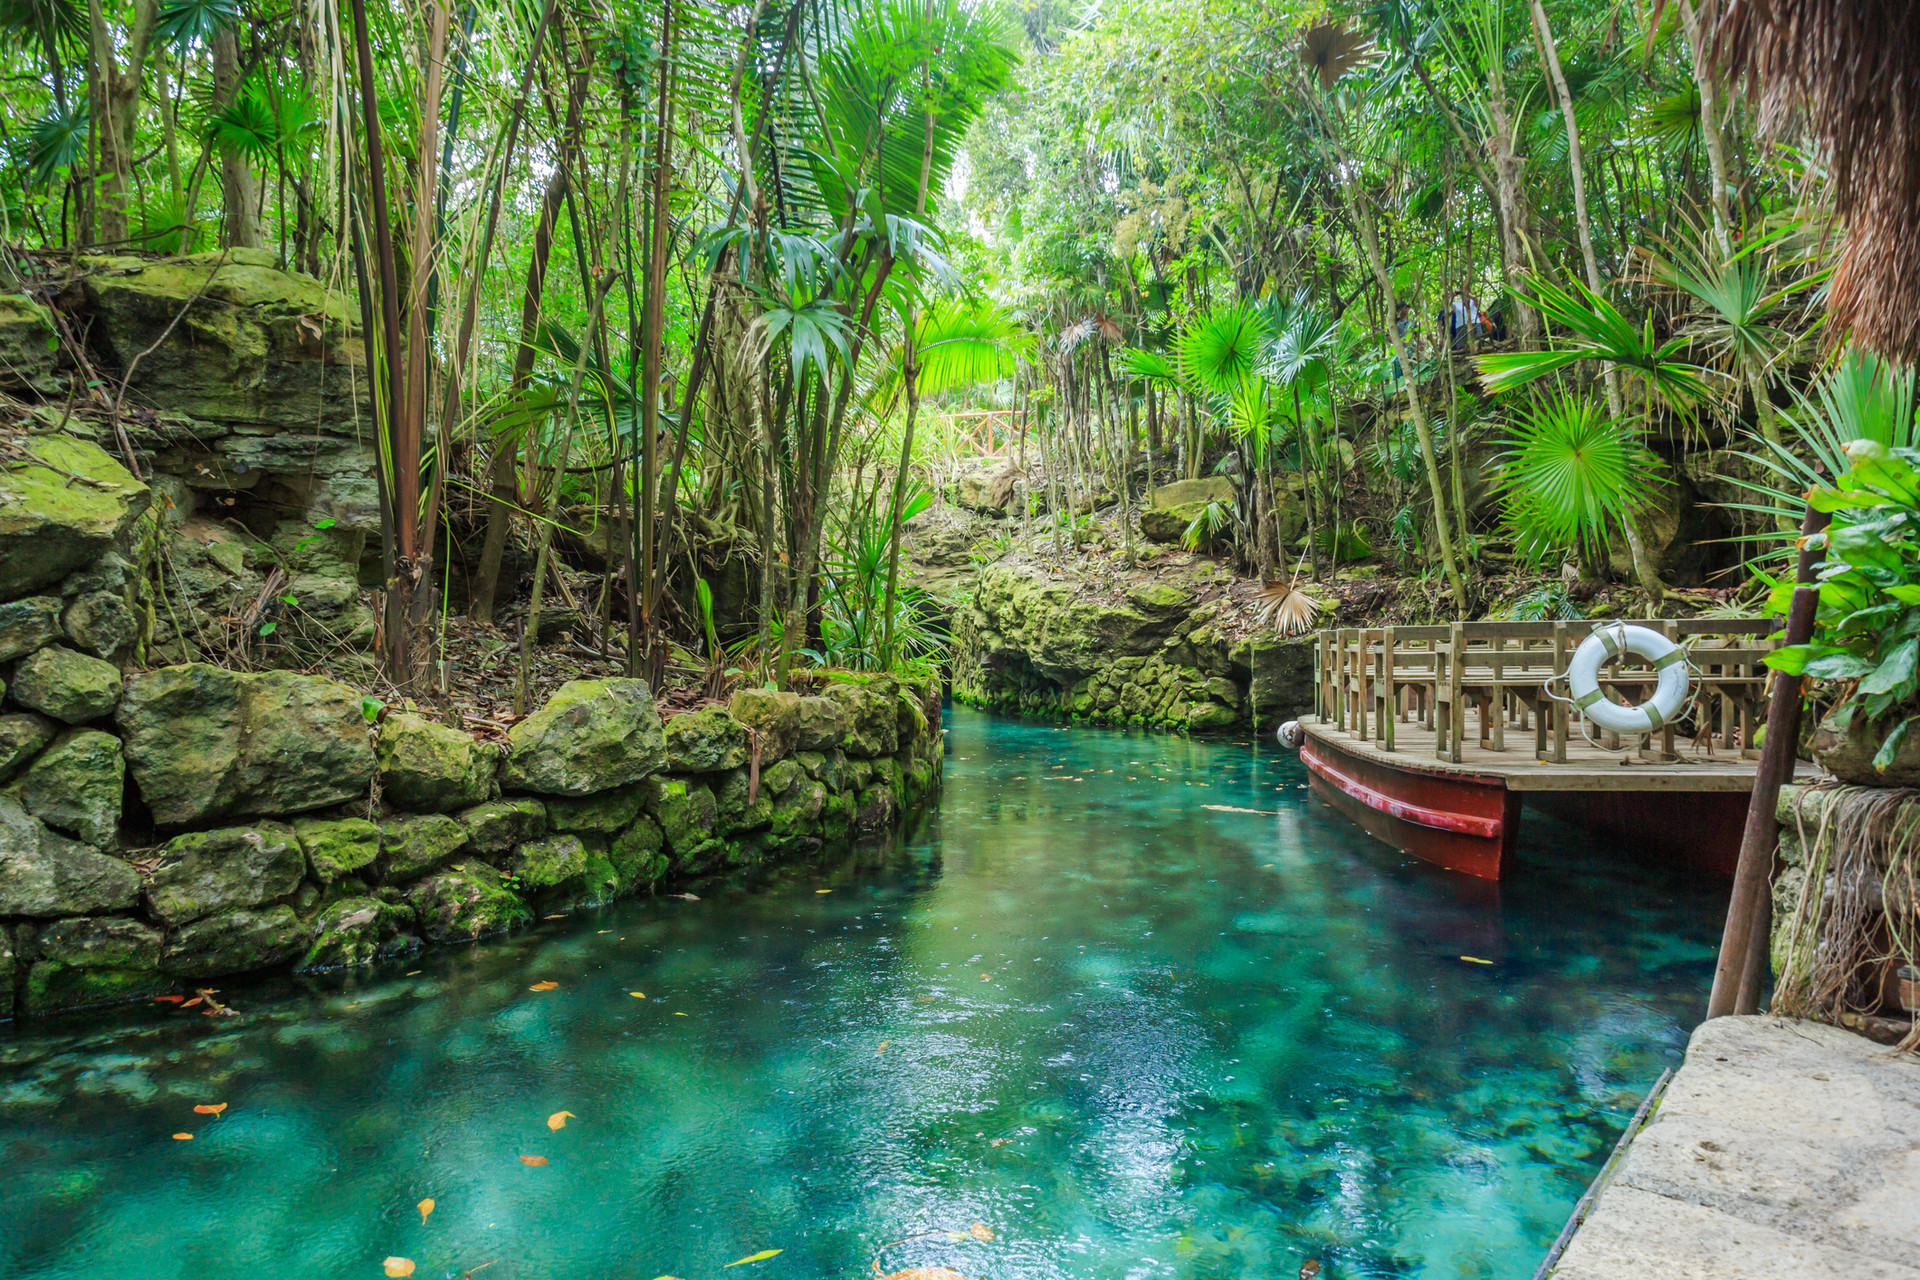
(685, 897)
(823, 891)
(1475, 960)
(1000, 1142)
(543, 986)
(761, 1256)
(535, 1161)
(210, 1108)
(558, 916)
(883, 1046)
(196, 1000)
(986, 977)
(925, 1273)
(168, 999)
(398, 1266)
(638, 995)
(1227, 808)
(558, 1120)
(980, 1231)
(1309, 1269)
(425, 1207)
(183, 1137)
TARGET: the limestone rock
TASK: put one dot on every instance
(234, 942)
(819, 724)
(1846, 748)
(540, 864)
(871, 714)
(206, 743)
(52, 523)
(985, 489)
(259, 346)
(1205, 716)
(705, 741)
(1186, 492)
(605, 811)
(878, 808)
(638, 853)
(598, 882)
(1169, 524)
(493, 829)
(209, 871)
(687, 813)
(21, 739)
(76, 786)
(101, 623)
(91, 961)
(66, 685)
(337, 847)
(774, 714)
(45, 874)
(736, 812)
(465, 901)
(414, 845)
(431, 768)
(355, 931)
(26, 625)
(28, 347)
(590, 736)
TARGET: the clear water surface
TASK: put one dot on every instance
(1095, 1004)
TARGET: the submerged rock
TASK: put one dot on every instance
(67, 685)
(429, 767)
(76, 785)
(592, 735)
(209, 871)
(203, 742)
(45, 874)
(62, 511)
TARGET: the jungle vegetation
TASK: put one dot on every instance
(1464, 285)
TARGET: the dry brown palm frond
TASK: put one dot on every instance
(1850, 70)
(1332, 49)
(1286, 608)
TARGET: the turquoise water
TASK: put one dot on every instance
(1132, 1034)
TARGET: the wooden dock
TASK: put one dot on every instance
(1433, 738)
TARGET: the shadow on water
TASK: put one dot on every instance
(1140, 1004)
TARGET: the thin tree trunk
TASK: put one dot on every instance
(239, 184)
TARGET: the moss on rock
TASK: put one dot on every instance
(428, 767)
(705, 741)
(62, 510)
(206, 872)
(44, 874)
(592, 735)
(414, 844)
(468, 900)
(66, 684)
(494, 828)
(76, 786)
(337, 847)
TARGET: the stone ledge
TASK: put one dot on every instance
(1781, 1148)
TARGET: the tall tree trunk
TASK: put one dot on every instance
(239, 184)
(113, 97)
(1716, 146)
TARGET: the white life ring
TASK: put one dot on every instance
(1607, 643)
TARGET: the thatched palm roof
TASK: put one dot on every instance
(1850, 69)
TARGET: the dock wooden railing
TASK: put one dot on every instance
(1367, 680)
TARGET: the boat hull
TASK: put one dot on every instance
(1463, 822)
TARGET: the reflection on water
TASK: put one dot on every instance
(1135, 1031)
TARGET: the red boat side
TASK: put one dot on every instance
(1464, 822)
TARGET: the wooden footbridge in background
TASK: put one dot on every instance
(1432, 738)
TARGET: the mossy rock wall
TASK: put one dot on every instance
(1151, 656)
(277, 829)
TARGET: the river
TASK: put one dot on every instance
(1137, 1005)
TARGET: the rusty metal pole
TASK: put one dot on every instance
(1737, 976)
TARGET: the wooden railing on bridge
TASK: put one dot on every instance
(1368, 680)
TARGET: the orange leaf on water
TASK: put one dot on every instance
(425, 1207)
(926, 1273)
(183, 1137)
(543, 986)
(398, 1266)
(196, 1000)
(980, 1231)
(558, 1120)
(168, 999)
(535, 1161)
(210, 1108)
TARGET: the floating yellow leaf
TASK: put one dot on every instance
(999, 1142)
(398, 1266)
(183, 1137)
(926, 1273)
(210, 1108)
(761, 1256)
(543, 986)
(883, 1046)
(678, 1014)
(986, 977)
(535, 1161)
(558, 1120)
(425, 1207)
(1475, 960)
(823, 891)
(980, 1231)
(559, 916)
(638, 995)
